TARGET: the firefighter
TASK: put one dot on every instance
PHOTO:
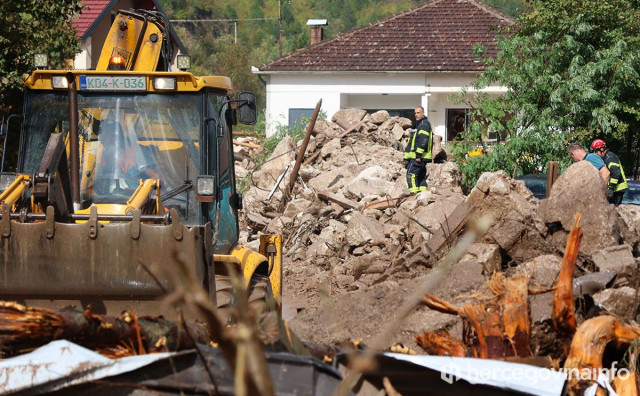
(617, 183)
(418, 153)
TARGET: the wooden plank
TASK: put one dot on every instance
(454, 223)
(387, 203)
(344, 203)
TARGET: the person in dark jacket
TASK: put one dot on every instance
(418, 153)
(617, 183)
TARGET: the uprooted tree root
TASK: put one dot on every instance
(499, 327)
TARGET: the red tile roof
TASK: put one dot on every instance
(89, 15)
(437, 36)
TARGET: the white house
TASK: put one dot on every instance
(94, 22)
(418, 57)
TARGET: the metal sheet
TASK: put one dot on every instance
(60, 364)
(517, 377)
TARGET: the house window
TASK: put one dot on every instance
(296, 116)
(457, 121)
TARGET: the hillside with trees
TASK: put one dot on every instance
(228, 37)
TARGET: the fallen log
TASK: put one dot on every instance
(23, 329)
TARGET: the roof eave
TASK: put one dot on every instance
(264, 72)
(105, 11)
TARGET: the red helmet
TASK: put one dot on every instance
(598, 144)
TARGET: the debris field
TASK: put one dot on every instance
(358, 246)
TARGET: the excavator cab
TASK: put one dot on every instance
(124, 168)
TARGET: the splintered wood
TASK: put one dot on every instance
(498, 326)
(26, 328)
(501, 327)
(564, 318)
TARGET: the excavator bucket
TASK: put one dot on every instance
(95, 262)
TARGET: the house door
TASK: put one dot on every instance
(457, 121)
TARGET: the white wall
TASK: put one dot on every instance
(83, 59)
(364, 90)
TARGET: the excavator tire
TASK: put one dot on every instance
(260, 295)
(224, 295)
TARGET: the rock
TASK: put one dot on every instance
(630, 220)
(397, 133)
(330, 147)
(369, 126)
(371, 181)
(327, 128)
(364, 230)
(335, 179)
(379, 117)
(399, 188)
(580, 189)
(348, 118)
(618, 259)
(620, 302)
(438, 153)
(446, 175)
(545, 271)
(463, 277)
(278, 224)
(517, 228)
(486, 254)
(283, 155)
(296, 206)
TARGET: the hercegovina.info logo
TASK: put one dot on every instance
(475, 374)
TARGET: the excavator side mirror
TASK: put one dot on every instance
(247, 111)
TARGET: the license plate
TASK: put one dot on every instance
(113, 83)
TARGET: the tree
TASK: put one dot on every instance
(571, 70)
(29, 27)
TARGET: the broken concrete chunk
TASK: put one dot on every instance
(282, 155)
(618, 259)
(335, 179)
(330, 147)
(348, 118)
(486, 254)
(296, 206)
(620, 302)
(397, 132)
(379, 117)
(364, 230)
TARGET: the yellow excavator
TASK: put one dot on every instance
(123, 168)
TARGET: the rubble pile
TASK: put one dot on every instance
(357, 244)
(245, 148)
